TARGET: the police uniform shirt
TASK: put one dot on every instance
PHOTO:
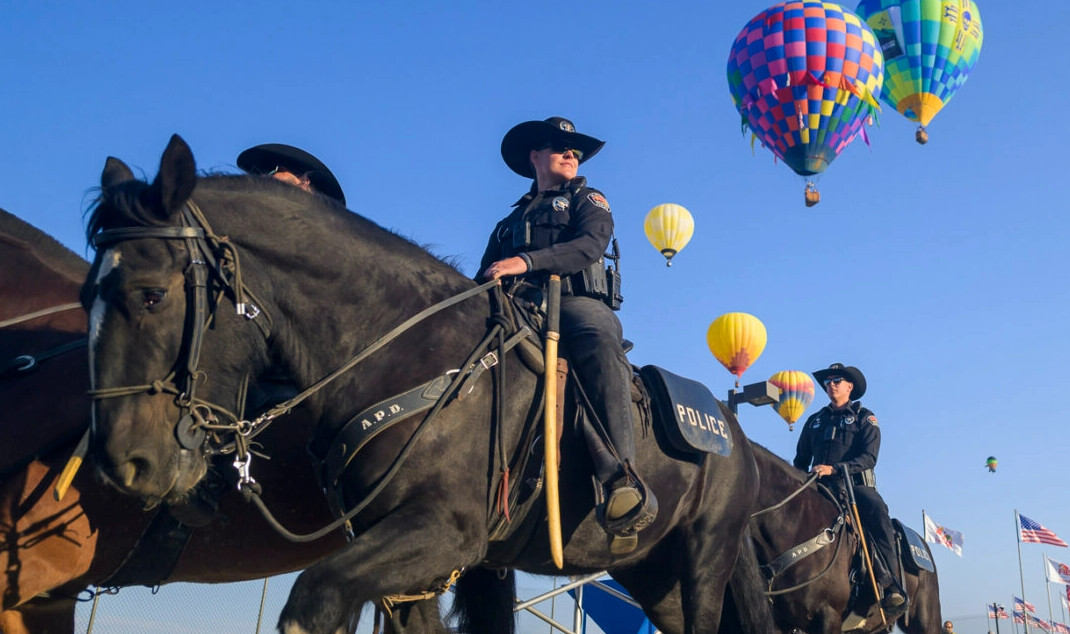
(570, 228)
(836, 437)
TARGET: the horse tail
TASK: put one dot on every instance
(483, 602)
(747, 609)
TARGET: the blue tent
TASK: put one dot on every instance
(610, 613)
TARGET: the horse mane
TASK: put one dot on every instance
(50, 250)
(789, 470)
(120, 206)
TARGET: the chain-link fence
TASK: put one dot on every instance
(253, 608)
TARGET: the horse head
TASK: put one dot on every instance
(152, 294)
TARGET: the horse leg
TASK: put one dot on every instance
(656, 589)
(417, 616)
(408, 550)
(39, 617)
(483, 602)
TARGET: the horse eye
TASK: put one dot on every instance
(153, 296)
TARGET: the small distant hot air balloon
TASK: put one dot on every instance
(796, 394)
(736, 340)
(669, 228)
(929, 48)
(991, 463)
(804, 76)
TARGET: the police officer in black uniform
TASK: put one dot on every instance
(845, 434)
(562, 226)
(293, 166)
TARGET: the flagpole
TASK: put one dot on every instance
(1047, 586)
(1021, 575)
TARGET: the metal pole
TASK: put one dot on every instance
(995, 615)
(1021, 575)
(263, 597)
(93, 612)
(577, 616)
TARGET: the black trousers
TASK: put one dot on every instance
(592, 335)
(879, 533)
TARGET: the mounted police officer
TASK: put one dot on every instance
(843, 433)
(293, 166)
(562, 226)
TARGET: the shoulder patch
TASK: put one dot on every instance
(598, 200)
(872, 420)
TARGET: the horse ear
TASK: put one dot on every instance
(177, 176)
(115, 173)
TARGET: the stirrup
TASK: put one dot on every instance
(629, 508)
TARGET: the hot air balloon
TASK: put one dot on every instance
(796, 394)
(805, 76)
(991, 463)
(929, 48)
(669, 228)
(736, 340)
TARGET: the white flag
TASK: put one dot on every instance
(936, 534)
(1056, 572)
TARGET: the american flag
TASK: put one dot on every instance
(1060, 628)
(1019, 617)
(1002, 613)
(1022, 604)
(1034, 532)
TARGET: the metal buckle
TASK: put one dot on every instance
(249, 311)
(27, 363)
(489, 361)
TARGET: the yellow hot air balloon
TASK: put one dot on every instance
(669, 227)
(737, 340)
(796, 393)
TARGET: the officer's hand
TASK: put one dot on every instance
(509, 266)
(823, 470)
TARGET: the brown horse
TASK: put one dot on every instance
(49, 550)
(815, 531)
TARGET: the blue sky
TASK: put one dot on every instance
(937, 270)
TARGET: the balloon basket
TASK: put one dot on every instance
(811, 195)
(922, 135)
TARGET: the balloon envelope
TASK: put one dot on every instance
(796, 394)
(929, 48)
(669, 228)
(804, 76)
(736, 340)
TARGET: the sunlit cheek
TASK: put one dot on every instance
(109, 262)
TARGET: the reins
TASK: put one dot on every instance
(797, 553)
(40, 313)
(25, 363)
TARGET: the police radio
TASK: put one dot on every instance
(602, 283)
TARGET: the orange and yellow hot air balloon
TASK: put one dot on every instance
(796, 394)
(736, 340)
(669, 228)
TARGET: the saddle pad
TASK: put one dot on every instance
(916, 554)
(692, 418)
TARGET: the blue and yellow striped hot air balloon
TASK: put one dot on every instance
(804, 76)
(796, 394)
(929, 48)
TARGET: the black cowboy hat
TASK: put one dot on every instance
(262, 159)
(525, 137)
(851, 373)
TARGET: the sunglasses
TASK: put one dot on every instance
(560, 147)
(836, 380)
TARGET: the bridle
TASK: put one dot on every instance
(210, 256)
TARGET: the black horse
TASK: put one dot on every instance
(813, 529)
(426, 496)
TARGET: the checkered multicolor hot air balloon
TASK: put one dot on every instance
(929, 48)
(804, 76)
(796, 394)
